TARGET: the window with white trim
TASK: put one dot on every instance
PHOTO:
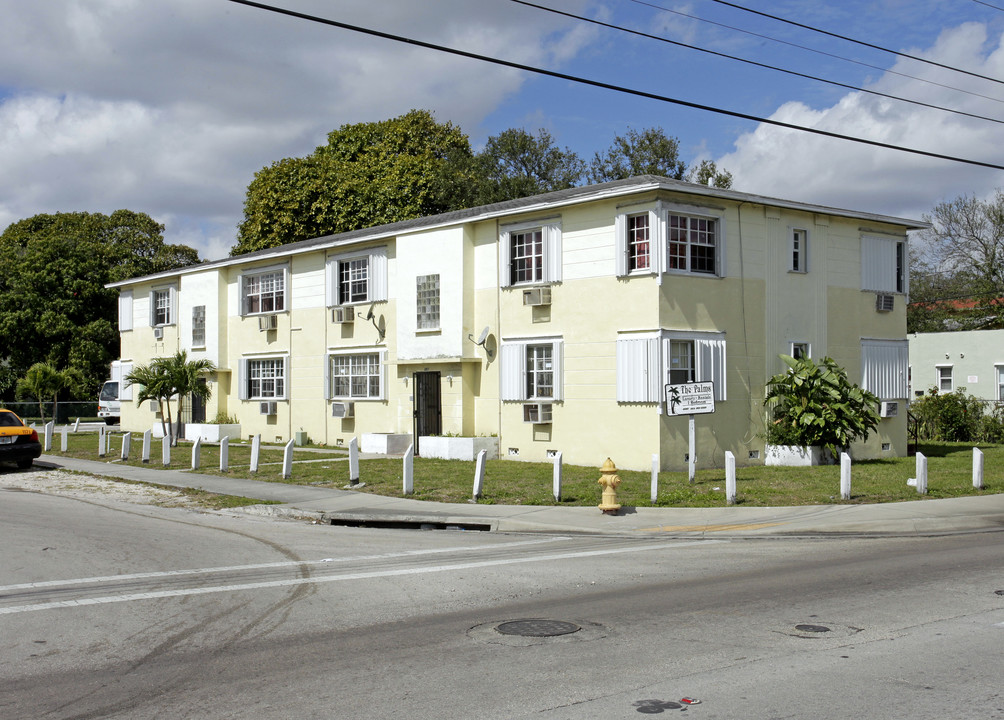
(530, 254)
(647, 362)
(263, 378)
(162, 302)
(1000, 381)
(884, 264)
(693, 244)
(531, 369)
(427, 302)
(800, 350)
(885, 368)
(798, 251)
(358, 277)
(264, 292)
(199, 326)
(355, 377)
(946, 379)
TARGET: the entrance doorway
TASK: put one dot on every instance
(428, 406)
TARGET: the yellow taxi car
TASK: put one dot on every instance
(18, 442)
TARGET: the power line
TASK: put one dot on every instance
(995, 7)
(817, 51)
(607, 86)
(755, 63)
(857, 42)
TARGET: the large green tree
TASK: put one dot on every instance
(516, 163)
(652, 152)
(367, 174)
(55, 306)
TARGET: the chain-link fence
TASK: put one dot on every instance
(66, 411)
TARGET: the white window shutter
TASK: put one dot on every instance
(878, 264)
(512, 371)
(285, 379)
(383, 375)
(125, 310)
(884, 368)
(242, 379)
(172, 305)
(558, 370)
(331, 289)
(552, 253)
(125, 387)
(378, 274)
(710, 361)
(639, 376)
(621, 245)
(153, 309)
(285, 289)
(505, 252)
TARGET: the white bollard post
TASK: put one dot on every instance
(126, 446)
(353, 461)
(76, 425)
(921, 474)
(409, 470)
(556, 478)
(64, 443)
(101, 442)
(197, 453)
(287, 460)
(147, 441)
(225, 454)
(49, 428)
(255, 452)
(654, 493)
(108, 442)
(845, 476)
(479, 474)
(730, 478)
(977, 468)
(165, 451)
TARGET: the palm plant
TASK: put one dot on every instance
(42, 381)
(167, 377)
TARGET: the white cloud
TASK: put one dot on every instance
(797, 165)
(170, 108)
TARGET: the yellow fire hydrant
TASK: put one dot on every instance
(609, 480)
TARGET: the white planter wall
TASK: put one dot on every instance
(211, 433)
(385, 443)
(458, 448)
(794, 456)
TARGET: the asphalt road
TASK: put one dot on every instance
(111, 610)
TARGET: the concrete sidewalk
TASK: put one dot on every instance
(351, 507)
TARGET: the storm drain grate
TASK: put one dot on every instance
(385, 524)
(537, 628)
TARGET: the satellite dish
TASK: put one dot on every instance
(484, 336)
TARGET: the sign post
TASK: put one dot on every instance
(694, 398)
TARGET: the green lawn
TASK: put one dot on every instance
(509, 482)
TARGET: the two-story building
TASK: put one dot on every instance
(553, 322)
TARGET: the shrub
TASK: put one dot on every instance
(817, 405)
(955, 417)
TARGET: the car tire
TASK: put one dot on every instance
(109, 421)
(25, 463)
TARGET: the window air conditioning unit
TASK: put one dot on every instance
(268, 322)
(537, 296)
(885, 303)
(342, 315)
(537, 413)
(158, 333)
(889, 409)
(342, 409)
(267, 408)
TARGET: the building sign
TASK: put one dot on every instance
(696, 398)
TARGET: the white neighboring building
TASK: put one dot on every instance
(971, 359)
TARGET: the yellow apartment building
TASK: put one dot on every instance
(551, 323)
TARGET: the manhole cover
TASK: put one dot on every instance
(537, 628)
(812, 628)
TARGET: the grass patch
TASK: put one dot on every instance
(509, 482)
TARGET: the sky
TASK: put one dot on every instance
(170, 107)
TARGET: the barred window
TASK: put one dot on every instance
(266, 378)
(264, 292)
(693, 244)
(356, 376)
